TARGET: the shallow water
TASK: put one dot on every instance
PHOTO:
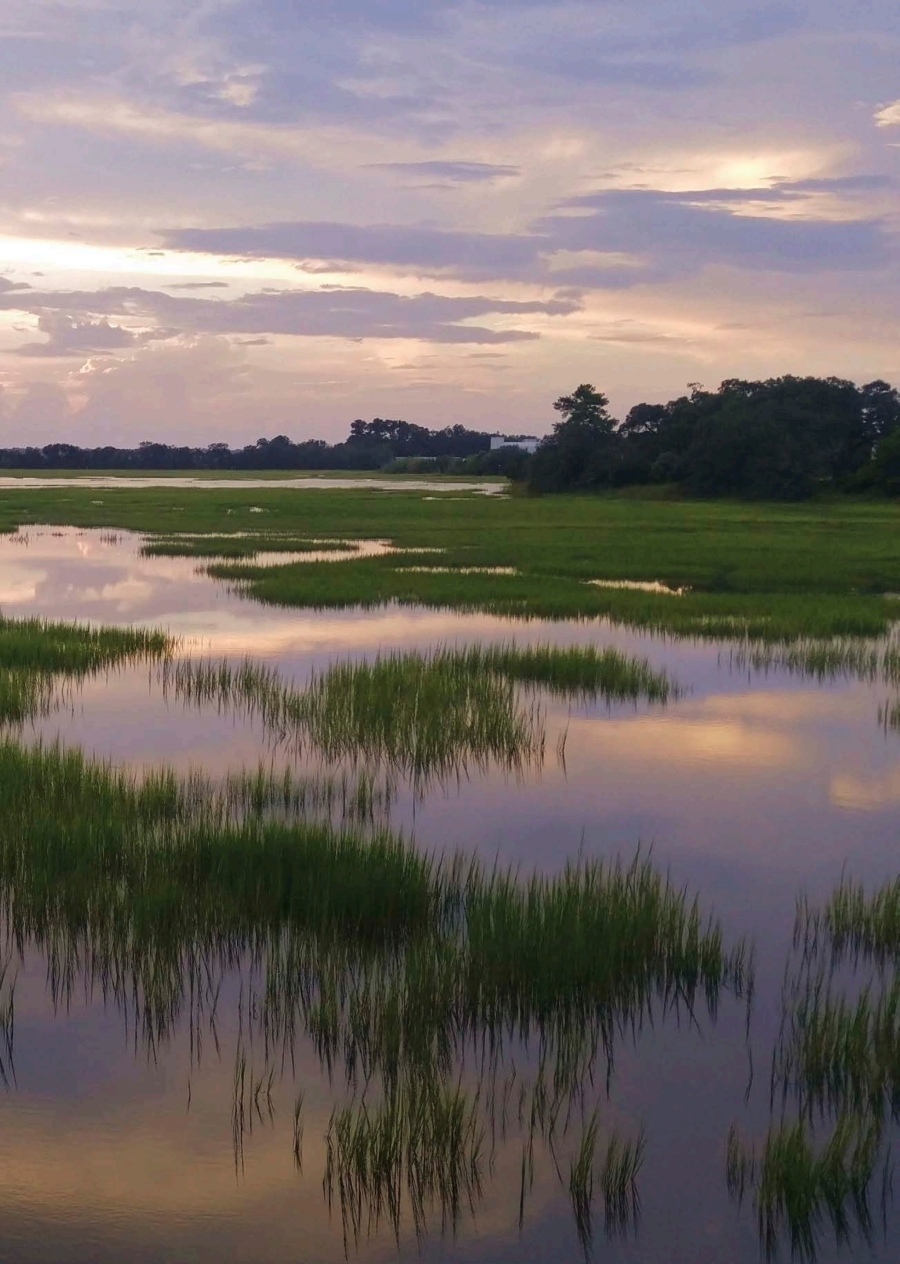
(298, 483)
(749, 789)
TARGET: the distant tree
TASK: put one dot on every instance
(581, 451)
(880, 409)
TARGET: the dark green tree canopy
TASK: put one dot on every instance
(581, 450)
(781, 438)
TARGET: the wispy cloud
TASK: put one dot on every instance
(453, 172)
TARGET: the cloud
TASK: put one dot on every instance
(677, 234)
(471, 255)
(8, 287)
(198, 285)
(451, 172)
(70, 336)
(40, 404)
(888, 115)
(333, 312)
(658, 235)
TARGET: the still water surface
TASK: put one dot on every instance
(750, 788)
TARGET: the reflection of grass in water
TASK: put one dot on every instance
(836, 1067)
(617, 1176)
(424, 716)
(798, 1185)
(396, 967)
(7, 1020)
(889, 715)
(26, 695)
(423, 1146)
(402, 713)
(837, 658)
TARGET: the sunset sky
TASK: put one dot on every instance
(221, 219)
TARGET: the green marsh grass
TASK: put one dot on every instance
(839, 1053)
(71, 648)
(243, 547)
(40, 661)
(768, 617)
(771, 572)
(574, 671)
(855, 922)
(423, 716)
(398, 969)
(835, 1076)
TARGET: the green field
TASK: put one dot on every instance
(759, 570)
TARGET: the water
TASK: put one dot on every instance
(749, 789)
(311, 482)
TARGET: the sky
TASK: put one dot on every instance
(226, 219)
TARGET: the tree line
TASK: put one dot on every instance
(370, 445)
(783, 438)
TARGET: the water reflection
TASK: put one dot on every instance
(444, 1005)
(825, 1166)
(145, 1027)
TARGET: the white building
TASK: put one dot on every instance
(526, 442)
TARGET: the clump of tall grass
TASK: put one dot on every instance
(596, 935)
(573, 671)
(428, 716)
(398, 968)
(240, 547)
(857, 923)
(798, 1186)
(39, 660)
(594, 945)
(836, 1066)
(157, 842)
(25, 695)
(840, 1054)
(422, 716)
(73, 648)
